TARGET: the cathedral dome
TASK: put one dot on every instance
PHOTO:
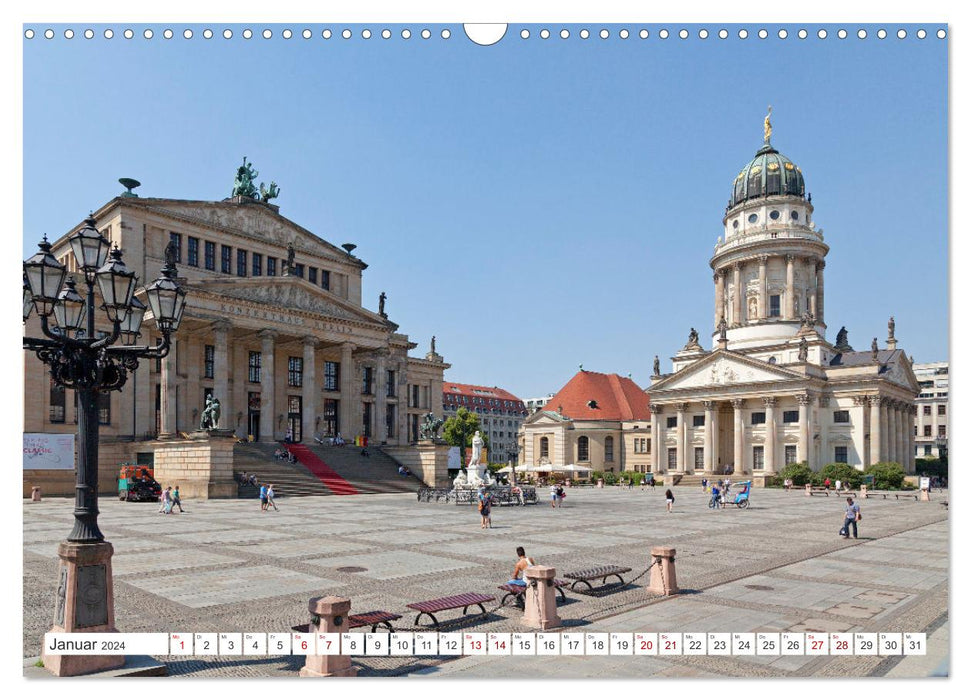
(768, 173)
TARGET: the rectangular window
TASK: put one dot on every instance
(176, 238)
(389, 419)
(298, 269)
(839, 453)
(927, 431)
(941, 430)
(227, 259)
(240, 262)
(774, 307)
(331, 417)
(927, 450)
(209, 361)
(942, 409)
(332, 376)
(758, 457)
(367, 419)
(257, 264)
(672, 421)
(104, 408)
(699, 459)
(672, 459)
(698, 421)
(790, 454)
(367, 385)
(325, 279)
(255, 365)
(58, 403)
(295, 371)
(841, 416)
(415, 396)
(927, 410)
(270, 266)
(790, 416)
(758, 417)
(210, 248)
(193, 259)
(389, 384)
(312, 275)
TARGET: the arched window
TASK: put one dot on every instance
(583, 449)
(544, 447)
(609, 449)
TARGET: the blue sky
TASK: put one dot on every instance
(535, 204)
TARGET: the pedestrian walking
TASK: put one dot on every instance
(670, 499)
(560, 495)
(839, 486)
(852, 516)
(652, 482)
(263, 497)
(826, 483)
(176, 501)
(166, 501)
(269, 497)
(553, 496)
(485, 507)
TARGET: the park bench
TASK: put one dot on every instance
(602, 572)
(519, 591)
(896, 494)
(452, 602)
(818, 491)
(373, 618)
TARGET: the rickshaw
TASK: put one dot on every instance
(136, 482)
(741, 498)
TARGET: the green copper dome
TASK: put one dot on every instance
(768, 173)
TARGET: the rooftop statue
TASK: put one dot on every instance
(381, 299)
(803, 350)
(657, 366)
(244, 185)
(269, 193)
(891, 327)
(288, 266)
(723, 329)
(767, 126)
(842, 343)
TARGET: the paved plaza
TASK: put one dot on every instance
(225, 566)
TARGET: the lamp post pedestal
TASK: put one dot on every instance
(85, 603)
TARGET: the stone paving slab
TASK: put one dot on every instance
(300, 547)
(844, 569)
(171, 560)
(394, 564)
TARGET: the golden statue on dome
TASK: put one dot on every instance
(767, 126)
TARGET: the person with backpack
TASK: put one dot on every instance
(485, 507)
(852, 516)
(560, 495)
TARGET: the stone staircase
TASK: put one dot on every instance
(377, 473)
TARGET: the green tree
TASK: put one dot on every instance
(931, 466)
(886, 475)
(841, 471)
(460, 429)
(799, 472)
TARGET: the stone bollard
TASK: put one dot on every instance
(925, 495)
(35, 493)
(664, 579)
(863, 491)
(331, 615)
(539, 609)
(809, 489)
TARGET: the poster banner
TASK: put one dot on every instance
(49, 451)
(453, 458)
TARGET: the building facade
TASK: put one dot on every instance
(534, 404)
(274, 327)
(500, 415)
(930, 423)
(773, 390)
(600, 421)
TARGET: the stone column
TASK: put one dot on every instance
(901, 434)
(709, 467)
(810, 268)
(739, 296)
(310, 389)
(770, 434)
(349, 405)
(169, 425)
(681, 463)
(719, 295)
(381, 399)
(657, 416)
(220, 388)
(820, 265)
(763, 288)
(892, 433)
(822, 425)
(267, 386)
(739, 452)
(805, 401)
(715, 447)
(911, 459)
(790, 307)
(858, 420)
(876, 430)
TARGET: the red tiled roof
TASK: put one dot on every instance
(482, 393)
(618, 398)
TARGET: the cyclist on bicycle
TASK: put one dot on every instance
(716, 501)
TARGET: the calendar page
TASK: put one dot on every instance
(589, 345)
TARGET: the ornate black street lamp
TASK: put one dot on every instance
(80, 360)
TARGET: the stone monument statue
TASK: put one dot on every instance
(433, 345)
(480, 477)
(244, 184)
(269, 193)
(657, 366)
(288, 266)
(430, 425)
(210, 415)
(891, 327)
(803, 350)
(723, 330)
(842, 341)
(875, 349)
(171, 253)
(381, 299)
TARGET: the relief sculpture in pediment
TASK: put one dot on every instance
(294, 297)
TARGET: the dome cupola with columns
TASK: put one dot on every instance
(768, 265)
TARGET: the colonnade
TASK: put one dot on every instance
(738, 314)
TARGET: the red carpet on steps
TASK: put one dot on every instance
(328, 477)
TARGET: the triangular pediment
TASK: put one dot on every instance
(900, 372)
(724, 368)
(542, 417)
(250, 219)
(291, 293)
